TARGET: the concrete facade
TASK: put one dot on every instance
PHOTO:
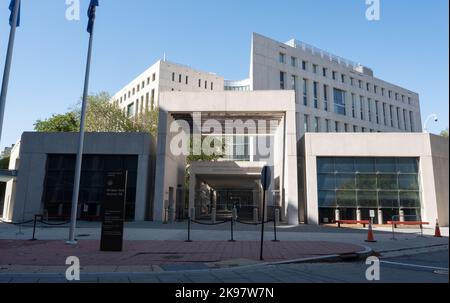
(175, 107)
(143, 92)
(432, 151)
(371, 104)
(23, 198)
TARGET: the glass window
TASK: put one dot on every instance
(327, 198)
(339, 101)
(387, 181)
(282, 58)
(346, 198)
(407, 165)
(326, 181)
(345, 165)
(409, 199)
(325, 165)
(409, 182)
(367, 199)
(366, 181)
(345, 181)
(365, 165)
(282, 79)
(388, 199)
(386, 165)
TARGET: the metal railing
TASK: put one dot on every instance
(398, 219)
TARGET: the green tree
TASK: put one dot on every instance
(101, 116)
(4, 163)
(68, 122)
(444, 133)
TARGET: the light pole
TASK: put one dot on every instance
(427, 120)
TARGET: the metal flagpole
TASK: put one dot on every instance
(76, 185)
(14, 23)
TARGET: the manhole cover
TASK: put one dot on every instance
(441, 272)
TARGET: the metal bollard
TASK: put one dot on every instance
(189, 230)
(34, 227)
(232, 230)
(275, 223)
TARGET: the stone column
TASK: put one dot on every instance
(337, 215)
(358, 215)
(380, 216)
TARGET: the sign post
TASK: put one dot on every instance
(265, 183)
(113, 211)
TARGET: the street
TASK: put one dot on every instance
(431, 267)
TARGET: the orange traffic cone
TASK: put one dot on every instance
(437, 232)
(370, 237)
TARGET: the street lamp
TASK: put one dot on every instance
(432, 116)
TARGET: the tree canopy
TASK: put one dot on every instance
(444, 133)
(101, 116)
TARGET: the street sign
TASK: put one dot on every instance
(372, 213)
(266, 177)
(113, 211)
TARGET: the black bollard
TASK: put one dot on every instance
(189, 230)
(275, 227)
(232, 229)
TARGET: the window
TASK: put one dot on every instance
(411, 120)
(179, 78)
(143, 84)
(339, 101)
(375, 89)
(316, 124)
(294, 83)
(325, 97)
(405, 121)
(199, 82)
(206, 84)
(316, 94)
(327, 125)
(334, 75)
(398, 118)
(130, 110)
(384, 114)
(324, 72)
(153, 99)
(377, 111)
(148, 80)
(212, 85)
(390, 94)
(134, 91)
(306, 124)
(352, 81)
(336, 127)
(355, 128)
(353, 106)
(173, 77)
(391, 112)
(369, 106)
(360, 84)
(304, 65)
(368, 87)
(282, 58)
(138, 87)
(409, 101)
(361, 107)
(153, 77)
(282, 79)
(294, 62)
(343, 78)
(187, 80)
(382, 91)
(305, 92)
(346, 127)
(315, 67)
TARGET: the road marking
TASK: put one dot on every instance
(414, 265)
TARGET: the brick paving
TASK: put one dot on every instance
(146, 253)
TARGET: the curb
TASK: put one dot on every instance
(331, 258)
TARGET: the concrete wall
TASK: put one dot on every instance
(265, 71)
(430, 149)
(24, 196)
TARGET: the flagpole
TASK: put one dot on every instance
(76, 185)
(7, 70)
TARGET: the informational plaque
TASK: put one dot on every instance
(113, 212)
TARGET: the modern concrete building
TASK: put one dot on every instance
(143, 92)
(332, 94)
(45, 165)
(399, 176)
(256, 128)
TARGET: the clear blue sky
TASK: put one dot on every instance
(409, 46)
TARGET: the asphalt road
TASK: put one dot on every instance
(431, 267)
